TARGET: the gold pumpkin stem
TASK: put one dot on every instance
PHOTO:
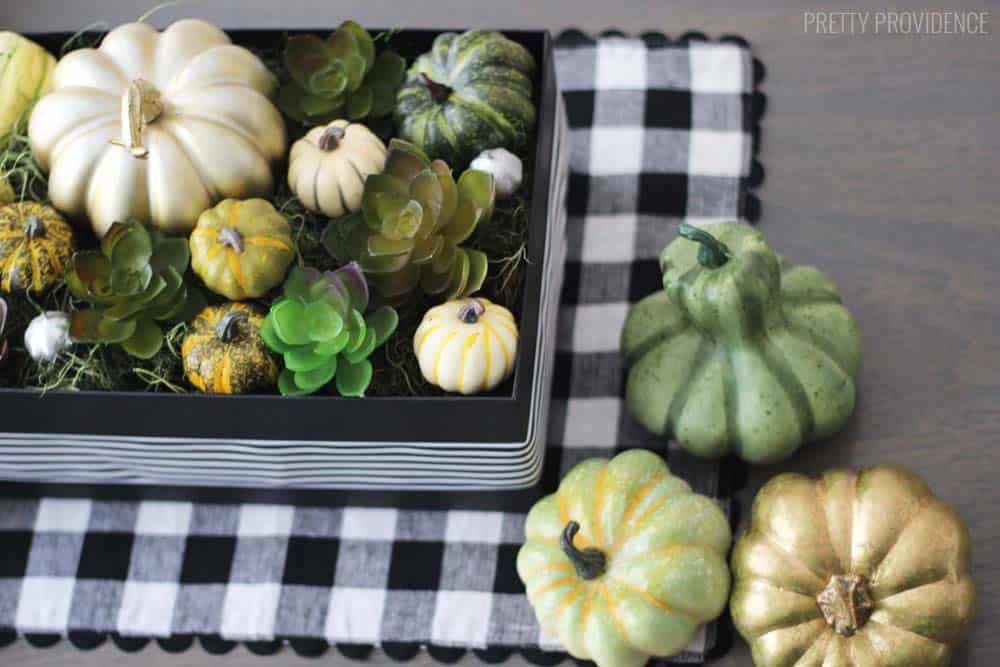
(589, 563)
(846, 603)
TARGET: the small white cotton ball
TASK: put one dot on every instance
(47, 335)
(506, 168)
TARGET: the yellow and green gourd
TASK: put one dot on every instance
(25, 75)
(741, 352)
(36, 245)
(242, 249)
(624, 562)
(223, 352)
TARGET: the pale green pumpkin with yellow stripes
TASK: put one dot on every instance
(25, 75)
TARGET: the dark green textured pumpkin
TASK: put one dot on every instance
(470, 92)
(741, 352)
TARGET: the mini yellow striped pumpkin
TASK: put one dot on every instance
(223, 352)
(25, 75)
(242, 249)
(36, 244)
(466, 345)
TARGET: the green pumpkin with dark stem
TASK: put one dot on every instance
(470, 92)
(741, 352)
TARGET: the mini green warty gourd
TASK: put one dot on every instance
(741, 352)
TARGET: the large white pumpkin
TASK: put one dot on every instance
(157, 127)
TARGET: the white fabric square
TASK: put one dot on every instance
(716, 153)
(360, 523)
(483, 527)
(249, 611)
(609, 238)
(591, 422)
(44, 603)
(616, 150)
(717, 68)
(596, 326)
(147, 609)
(355, 615)
(58, 515)
(621, 65)
(265, 520)
(163, 518)
(461, 617)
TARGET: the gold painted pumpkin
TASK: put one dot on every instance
(865, 568)
(223, 352)
(624, 561)
(328, 167)
(466, 345)
(157, 127)
(35, 247)
(25, 75)
(242, 249)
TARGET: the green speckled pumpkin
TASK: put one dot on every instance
(624, 561)
(223, 352)
(741, 352)
(36, 245)
(470, 92)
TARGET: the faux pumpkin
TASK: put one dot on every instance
(223, 352)
(471, 92)
(328, 167)
(25, 75)
(467, 345)
(157, 127)
(242, 249)
(624, 561)
(854, 568)
(35, 247)
(742, 352)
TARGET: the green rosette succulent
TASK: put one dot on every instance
(413, 220)
(320, 329)
(339, 77)
(134, 281)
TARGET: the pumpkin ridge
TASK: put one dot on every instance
(649, 599)
(445, 128)
(599, 490)
(437, 361)
(817, 341)
(615, 621)
(653, 342)
(777, 546)
(822, 631)
(36, 269)
(922, 505)
(487, 113)
(96, 122)
(554, 584)
(503, 347)
(821, 499)
(640, 495)
(701, 357)
(465, 355)
(730, 397)
(165, 130)
(896, 628)
(776, 362)
(261, 241)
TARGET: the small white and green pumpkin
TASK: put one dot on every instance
(327, 167)
(466, 345)
(25, 76)
(624, 562)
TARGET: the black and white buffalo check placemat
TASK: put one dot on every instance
(661, 132)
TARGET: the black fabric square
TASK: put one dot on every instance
(416, 566)
(105, 556)
(207, 559)
(579, 107)
(663, 194)
(578, 196)
(506, 579)
(562, 375)
(14, 553)
(311, 561)
(644, 279)
(668, 108)
(571, 283)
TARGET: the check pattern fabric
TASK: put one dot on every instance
(660, 132)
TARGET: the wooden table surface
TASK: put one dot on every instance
(883, 168)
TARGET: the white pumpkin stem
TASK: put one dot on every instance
(141, 106)
(331, 138)
(233, 239)
(471, 311)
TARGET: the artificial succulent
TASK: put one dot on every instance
(339, 77)
(412, 222)
(134, 281)
(320, 329)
